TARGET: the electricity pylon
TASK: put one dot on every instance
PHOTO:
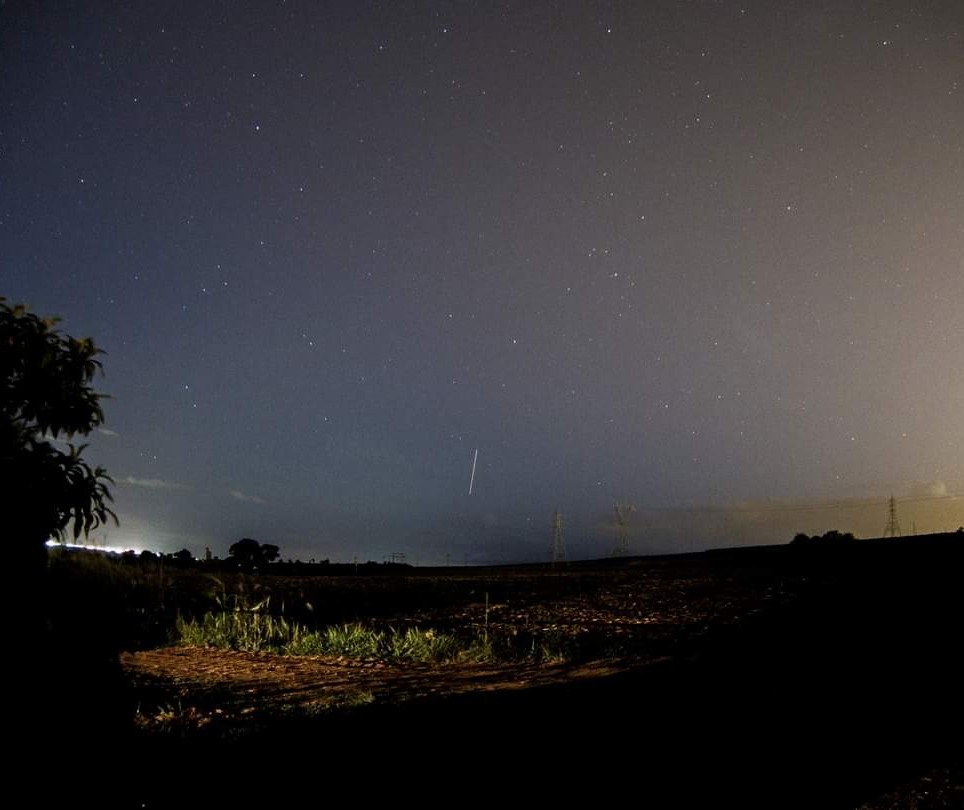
(558, 540)
(623, 511)
(893, 525)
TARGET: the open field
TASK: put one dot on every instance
(776, 676)
(542, 627)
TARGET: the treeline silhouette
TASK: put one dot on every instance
(246, 560)
(831, 538)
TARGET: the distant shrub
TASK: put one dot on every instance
(831, 538)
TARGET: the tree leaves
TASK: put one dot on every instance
(46, 391)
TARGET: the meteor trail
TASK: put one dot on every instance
(472, 479)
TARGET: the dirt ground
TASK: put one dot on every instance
(193, 688)
(768, 678)
(612, 618)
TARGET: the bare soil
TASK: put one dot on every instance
(774, 677)
(194, 688)
(607, 617)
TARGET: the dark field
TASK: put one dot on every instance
(775, 676)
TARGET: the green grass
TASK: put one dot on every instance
(253, 631)
(102, 602)
(236, 630)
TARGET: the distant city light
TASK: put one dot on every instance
(95, 547)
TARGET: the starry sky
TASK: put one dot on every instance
(705, 257)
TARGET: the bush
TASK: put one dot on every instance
(831, 538)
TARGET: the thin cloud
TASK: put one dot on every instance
(152, 483)
(928, 489)
(240, 496)
(108, 432)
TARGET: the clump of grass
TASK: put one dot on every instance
(422, 645)
(303, 641)
(480, 650)
(353, 641)
(235, 630)
(546, 647)
(252, 631)
(553, 647)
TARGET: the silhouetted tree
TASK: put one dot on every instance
(831, 538)
(47, 491)
(251, 555)
(245, 551)
(47, 393)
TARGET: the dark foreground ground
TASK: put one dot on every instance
(849, 695)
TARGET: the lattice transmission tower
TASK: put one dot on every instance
(893, 525)
(558, 540)
(623, 511)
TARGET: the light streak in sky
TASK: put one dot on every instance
(472, 479)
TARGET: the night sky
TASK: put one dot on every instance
(703, 257)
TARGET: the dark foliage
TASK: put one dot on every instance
(831, 538)
(47, 490)
(251, 555)
(47, 394)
